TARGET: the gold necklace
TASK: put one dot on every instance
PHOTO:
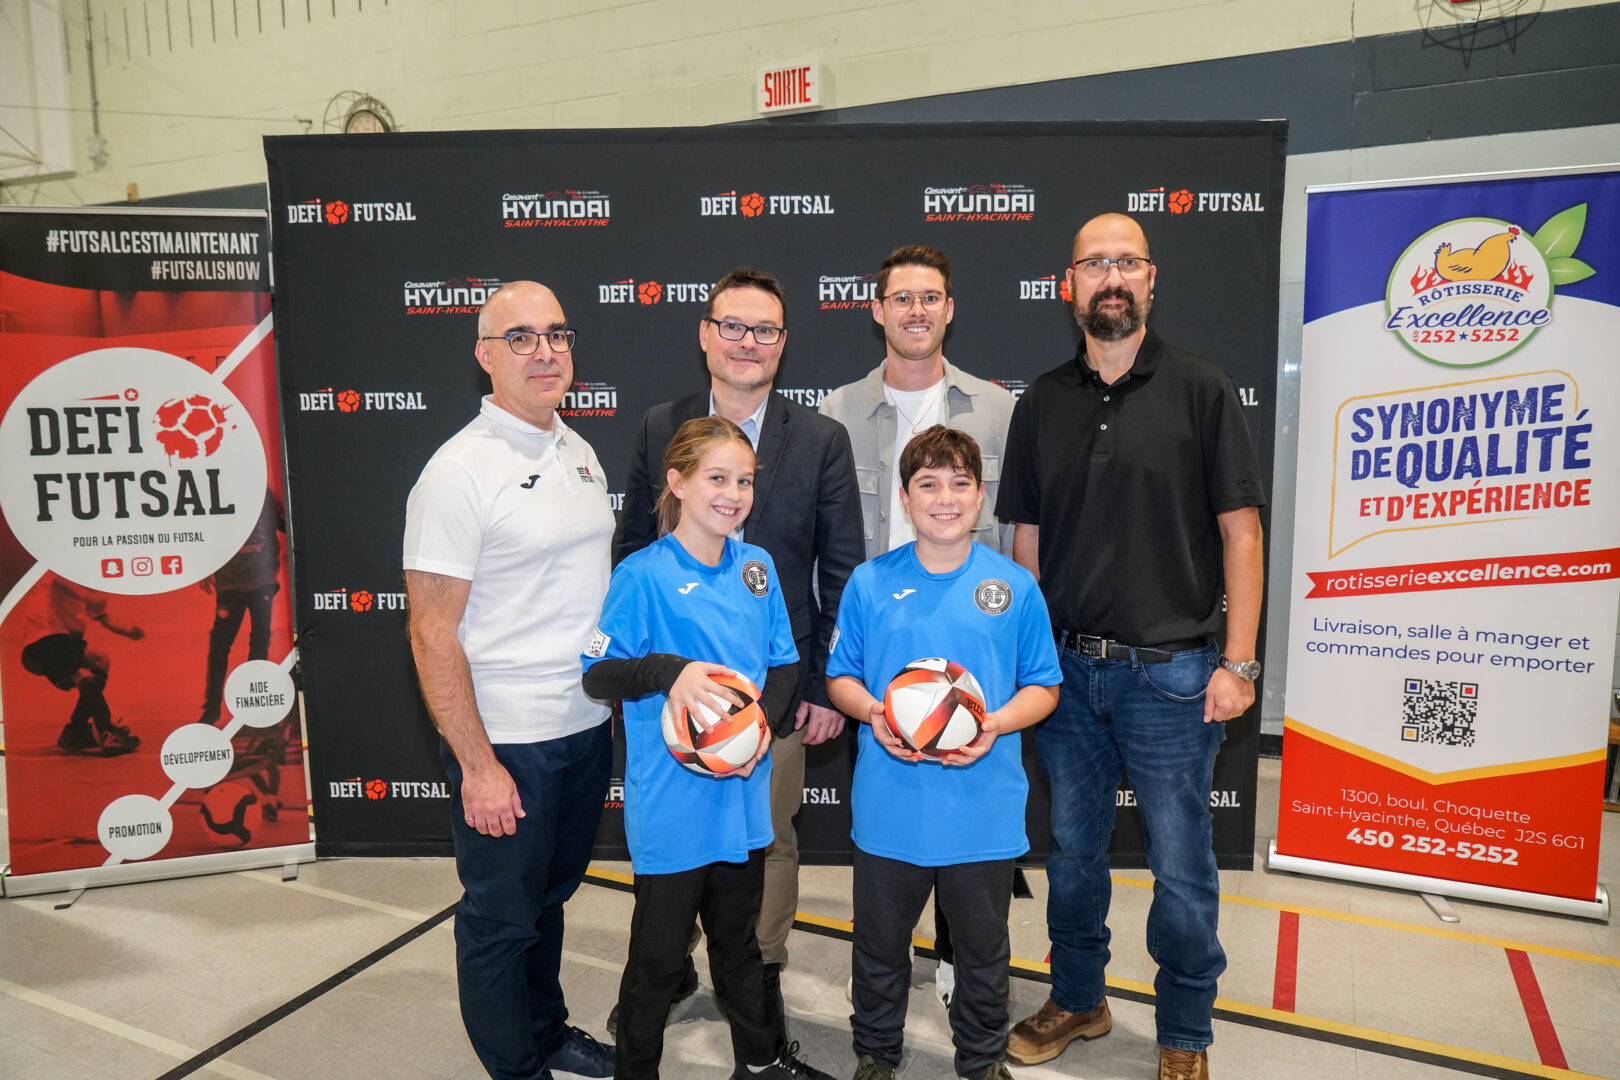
(929, 407)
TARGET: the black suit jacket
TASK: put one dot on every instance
(807, 513)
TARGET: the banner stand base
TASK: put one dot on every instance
(130, 873)
(1441, 907)
(1596, 908)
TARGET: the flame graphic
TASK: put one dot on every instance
(1517, 276)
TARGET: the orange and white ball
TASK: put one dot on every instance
(733, 737)
(934, 706)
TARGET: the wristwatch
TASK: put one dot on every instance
(1247, 670)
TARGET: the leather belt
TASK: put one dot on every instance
(1101, 648)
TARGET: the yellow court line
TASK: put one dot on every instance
(1410, 928)
(1314, 1023)
(1272, 905)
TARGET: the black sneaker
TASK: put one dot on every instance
(78, 737)
(786, 1067)
(870, 1068)
(581, 1055)
(997, 1071)
(116, 739)
(688, 987)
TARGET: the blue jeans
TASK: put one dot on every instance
(509, 924)
(1147, 719)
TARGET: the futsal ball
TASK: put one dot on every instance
(934, 706)
(232, 809)
(190, 427)
(732, 739)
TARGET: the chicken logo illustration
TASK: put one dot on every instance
(1484, 263)
(1472, 290)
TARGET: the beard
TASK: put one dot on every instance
(1106, 327)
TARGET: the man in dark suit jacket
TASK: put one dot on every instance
(807, 514)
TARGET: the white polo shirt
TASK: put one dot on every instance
(523, 514)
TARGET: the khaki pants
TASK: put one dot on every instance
(781, 898)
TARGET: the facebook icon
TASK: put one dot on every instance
(170, 564)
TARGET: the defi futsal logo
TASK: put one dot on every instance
(1050, 287)
(556, 209)
(648, 293)
(1182, 201)
(343, 211)
(353, 401)
(452, 296)
(590, 399)
(810, 397)
(375, 789)
(979, 202)
(846, 292)
(753, 204)
(361, 600)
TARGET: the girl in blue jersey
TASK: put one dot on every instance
(693, 604)
(920, 827)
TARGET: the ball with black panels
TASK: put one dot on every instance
(728, 737)
(934, 706)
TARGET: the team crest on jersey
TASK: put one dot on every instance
(585, 474)
(599, 644)
(993, 596)
(756, 577)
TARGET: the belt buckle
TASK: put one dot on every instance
(1095, 647)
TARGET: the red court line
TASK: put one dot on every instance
(1535, 1010)
(1282, 992)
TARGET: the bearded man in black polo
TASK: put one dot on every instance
(1134, 493)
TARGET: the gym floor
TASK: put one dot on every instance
(347, 973)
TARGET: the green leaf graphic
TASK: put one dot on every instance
(1565, 271)
(1562, 232)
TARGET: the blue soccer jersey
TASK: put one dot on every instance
(987, 615)
(662, 600)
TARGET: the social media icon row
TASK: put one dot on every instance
(141, 566)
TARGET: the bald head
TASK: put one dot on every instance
(1109, 229)
(493, 317)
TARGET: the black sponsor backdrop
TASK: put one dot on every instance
(428, 208)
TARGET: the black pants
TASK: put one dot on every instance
(509, 924)
(229, 607)
(889, 896)
(726, 896)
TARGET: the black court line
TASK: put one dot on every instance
(280, 1013)
(1282, 1027)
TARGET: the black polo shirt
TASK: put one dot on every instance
(1125, 482)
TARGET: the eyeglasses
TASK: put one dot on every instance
(903, 301)
(525, 342)
(1129, 266)
(732, 330)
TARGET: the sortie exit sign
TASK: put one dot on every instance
(788, 88)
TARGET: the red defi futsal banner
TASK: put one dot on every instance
(151, 721)
(1456, 538)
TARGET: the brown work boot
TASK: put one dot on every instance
(1043, 1036)
(1183, 1064)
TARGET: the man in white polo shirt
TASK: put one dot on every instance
(507, 536)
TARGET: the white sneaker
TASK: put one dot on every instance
(944, 983)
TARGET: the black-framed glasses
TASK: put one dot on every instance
(525, 342)
(1129, 266)
(903, 300)
(732, 330)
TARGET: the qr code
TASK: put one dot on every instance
(1439, 712)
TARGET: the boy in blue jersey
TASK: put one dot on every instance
(696, 603)
(918, 826)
